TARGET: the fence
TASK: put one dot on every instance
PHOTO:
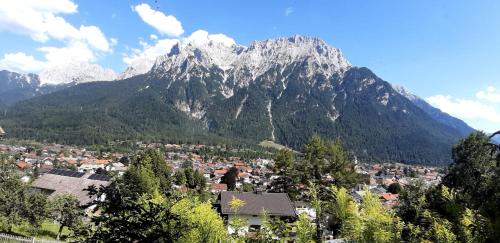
(6, 238)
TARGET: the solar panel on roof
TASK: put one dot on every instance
(99, 177)
(68, 173)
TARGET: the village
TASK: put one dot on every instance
(60, 169)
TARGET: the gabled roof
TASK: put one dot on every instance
(275, 204)
(216, 186)
(65, 181)
(389, 196)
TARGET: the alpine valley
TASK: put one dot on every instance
(283, 90)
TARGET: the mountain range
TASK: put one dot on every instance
(283, 90)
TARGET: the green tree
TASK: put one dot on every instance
(17, 205)
(248, 187)
(237, 223)
(314, 155)
(339, 166)
(205, 224)
(474, 177)
(347, 223)
(317, 204)
(199, 181)
(37, 208)
(305, 231)
(65, 209)
(273, 229)
(472, 167)
(230, 178)
(379, 225)
(284, 168)
(180, 177)
(12, 195)
(328, 158)
(149, 172)
(394, 188)
(126, 216)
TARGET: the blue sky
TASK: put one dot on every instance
(447, 52)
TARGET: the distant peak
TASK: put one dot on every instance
(77, 72)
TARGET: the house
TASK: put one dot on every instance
(217, 187)
(254, 205)
(389, 200)
(58, 181)
(306, 208)
(23, 165)
(2, 133)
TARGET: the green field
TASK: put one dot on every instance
(47, 231)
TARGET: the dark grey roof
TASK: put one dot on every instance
(378, 190)
(63, 172)
(275, 204)
(60, 184)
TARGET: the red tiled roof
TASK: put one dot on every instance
(22, 164)
(71, 161)
(102, 161)
(218, 186)
(220, 172)
(389, 196)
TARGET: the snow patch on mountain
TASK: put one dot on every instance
(402, 91)
(78, 72)
(269, 106)
(264, 55)
(245, 64)
(238, 111)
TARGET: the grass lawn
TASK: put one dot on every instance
(271, 144)
(47, 231)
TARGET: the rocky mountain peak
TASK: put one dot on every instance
(75, 72)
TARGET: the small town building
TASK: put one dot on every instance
(58, 181)
(216, 188)
(2, 133)
(255, 204)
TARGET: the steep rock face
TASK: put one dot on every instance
(140, 66)
(284, 89)
(16, 87)
(435, 113)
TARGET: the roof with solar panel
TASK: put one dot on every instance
(60, 181)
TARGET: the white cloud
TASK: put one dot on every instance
(164, 24)
(21, 62)
(288, 11)
(201, 37)
(75, 52)
(479, 115)
(113, 41)
(95, 37)
(163, 46)
(153, 37)
(150, 52)
(490, 94)
(42, 21)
